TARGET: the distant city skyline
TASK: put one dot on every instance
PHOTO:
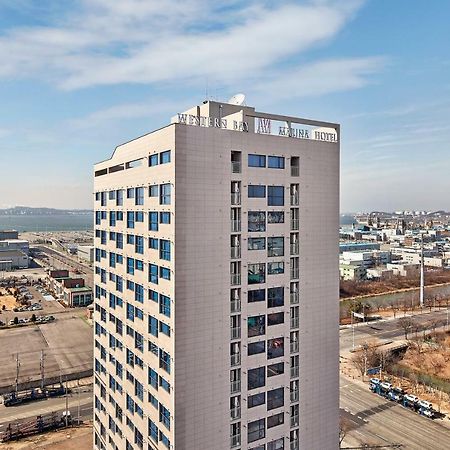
(79, 77)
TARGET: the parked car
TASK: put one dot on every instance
(424, 404)
(396, 394)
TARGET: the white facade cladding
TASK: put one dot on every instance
(216, 285)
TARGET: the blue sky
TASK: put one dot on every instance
(79, 77)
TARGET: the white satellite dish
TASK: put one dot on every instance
(238, 99)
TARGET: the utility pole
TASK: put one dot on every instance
(353, 333)
(422, 280)
(78, 412)
(17, 372)
(42, 370)
(67, 406)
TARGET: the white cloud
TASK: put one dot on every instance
(147, 41)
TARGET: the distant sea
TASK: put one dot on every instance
(63, 222)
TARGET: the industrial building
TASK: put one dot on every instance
(14, 252)
(217, 283)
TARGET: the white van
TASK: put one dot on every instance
(424, 404)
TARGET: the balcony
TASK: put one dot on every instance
(235, 386)
(294, 322)
(294, 273)
(294, 199)
(295, 445)
(235, 413)
(235, 252)
(236, 333)
(236, 359)
(295, 171)
(235, 198)
(235, 441)
(294, 420)
(294, 396)
(235, 306)
(294, 224)
(294, 347)
(236, 166)
(235, 226)
(294, 298)
(235, 279)
(294, 372)
(294, 248)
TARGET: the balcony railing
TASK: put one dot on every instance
(294, 322)
(235, 386)
(294, 347)
(236, 359)
(294, 396)
(294, 273)
(294, 298)
(294, 224)
(235, 198)
(295, 445)
(235, 441)
(295, 171)
(235, 225)
(235, 333)
(235, 279)
(294, 248)
(235, 252)
(294, 199)
(235, 306)
(236, 166)
(294, 372)
(235, 413)
(294, 420)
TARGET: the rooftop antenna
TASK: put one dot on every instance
(237, 99)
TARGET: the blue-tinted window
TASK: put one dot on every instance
(153, 295)
(153, 326)
(164, 328)
(119, 197)
(275, 195)
(153, 431)
(130, 266)
(139, 216)
(164, 360)
(164, 305)
(153, 273)
(164, 384)
(130, 219)
(153, 160)
(164, 416)
(164, 194)
(139, 265)
(130, 239)
(275, 162)
(164, 273)
(153, 243)
(153, 191)
(256, 191)
(139, 198)
(164, 217)
(139, 293)
(130, 193)
(256, 161)
(153, 378)
(153, 221)
(139, 245)
(119, 240)
(164, 249)
(256, 296)
(164, 157)
(130, 312)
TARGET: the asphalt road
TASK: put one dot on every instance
(387, 329)
(378, 421)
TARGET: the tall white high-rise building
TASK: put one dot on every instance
(216, 285)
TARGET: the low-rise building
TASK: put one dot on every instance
(352, 272)
(369, 258)
(379, 273)
(14, 252)
(86, 252)
(404, 269)
(13, 259)
(72, 291)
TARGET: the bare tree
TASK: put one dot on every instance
(345, 425)
(406, 324)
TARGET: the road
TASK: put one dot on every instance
(29, 411)
(387, 329)
(378, 421)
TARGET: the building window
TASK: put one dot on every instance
(275, 195)
(276, 445)
(130, 193)
(275, 217)
(139, 245)
(164, 217)
(164, 416)
(130, 219)
(130, 266)
(256, 325)
(164, 249)
(255, 191)
(119, 197)
(256, 296)
(256, 430)
(153, 221)
(275, 246)
(153, 326)
(164, 273)
(256, 221)
(139, 199)
(256, 273)
(153, 190)
(275, 162)
(257, 243)
(153, 243)
(153, 295)
(275, 268)
(275, 319)
(153, 273)
(275, 369)
(256, 347)
(164, 384)
(164, 157)
(256, 161)
(130, 239)
(164, 305)
(112, 218)
(275, 297)
(164, 361)
(153, 160)
(275, 399)
(275, 420)
(256, 400)
(139, 293)
(256, 378)
(139, 216)
(164, 194)
(275, 348)
(164, 328)
(152, 378)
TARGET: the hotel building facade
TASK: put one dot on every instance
(216, 285)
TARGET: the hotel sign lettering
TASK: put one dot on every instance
(213, 122)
